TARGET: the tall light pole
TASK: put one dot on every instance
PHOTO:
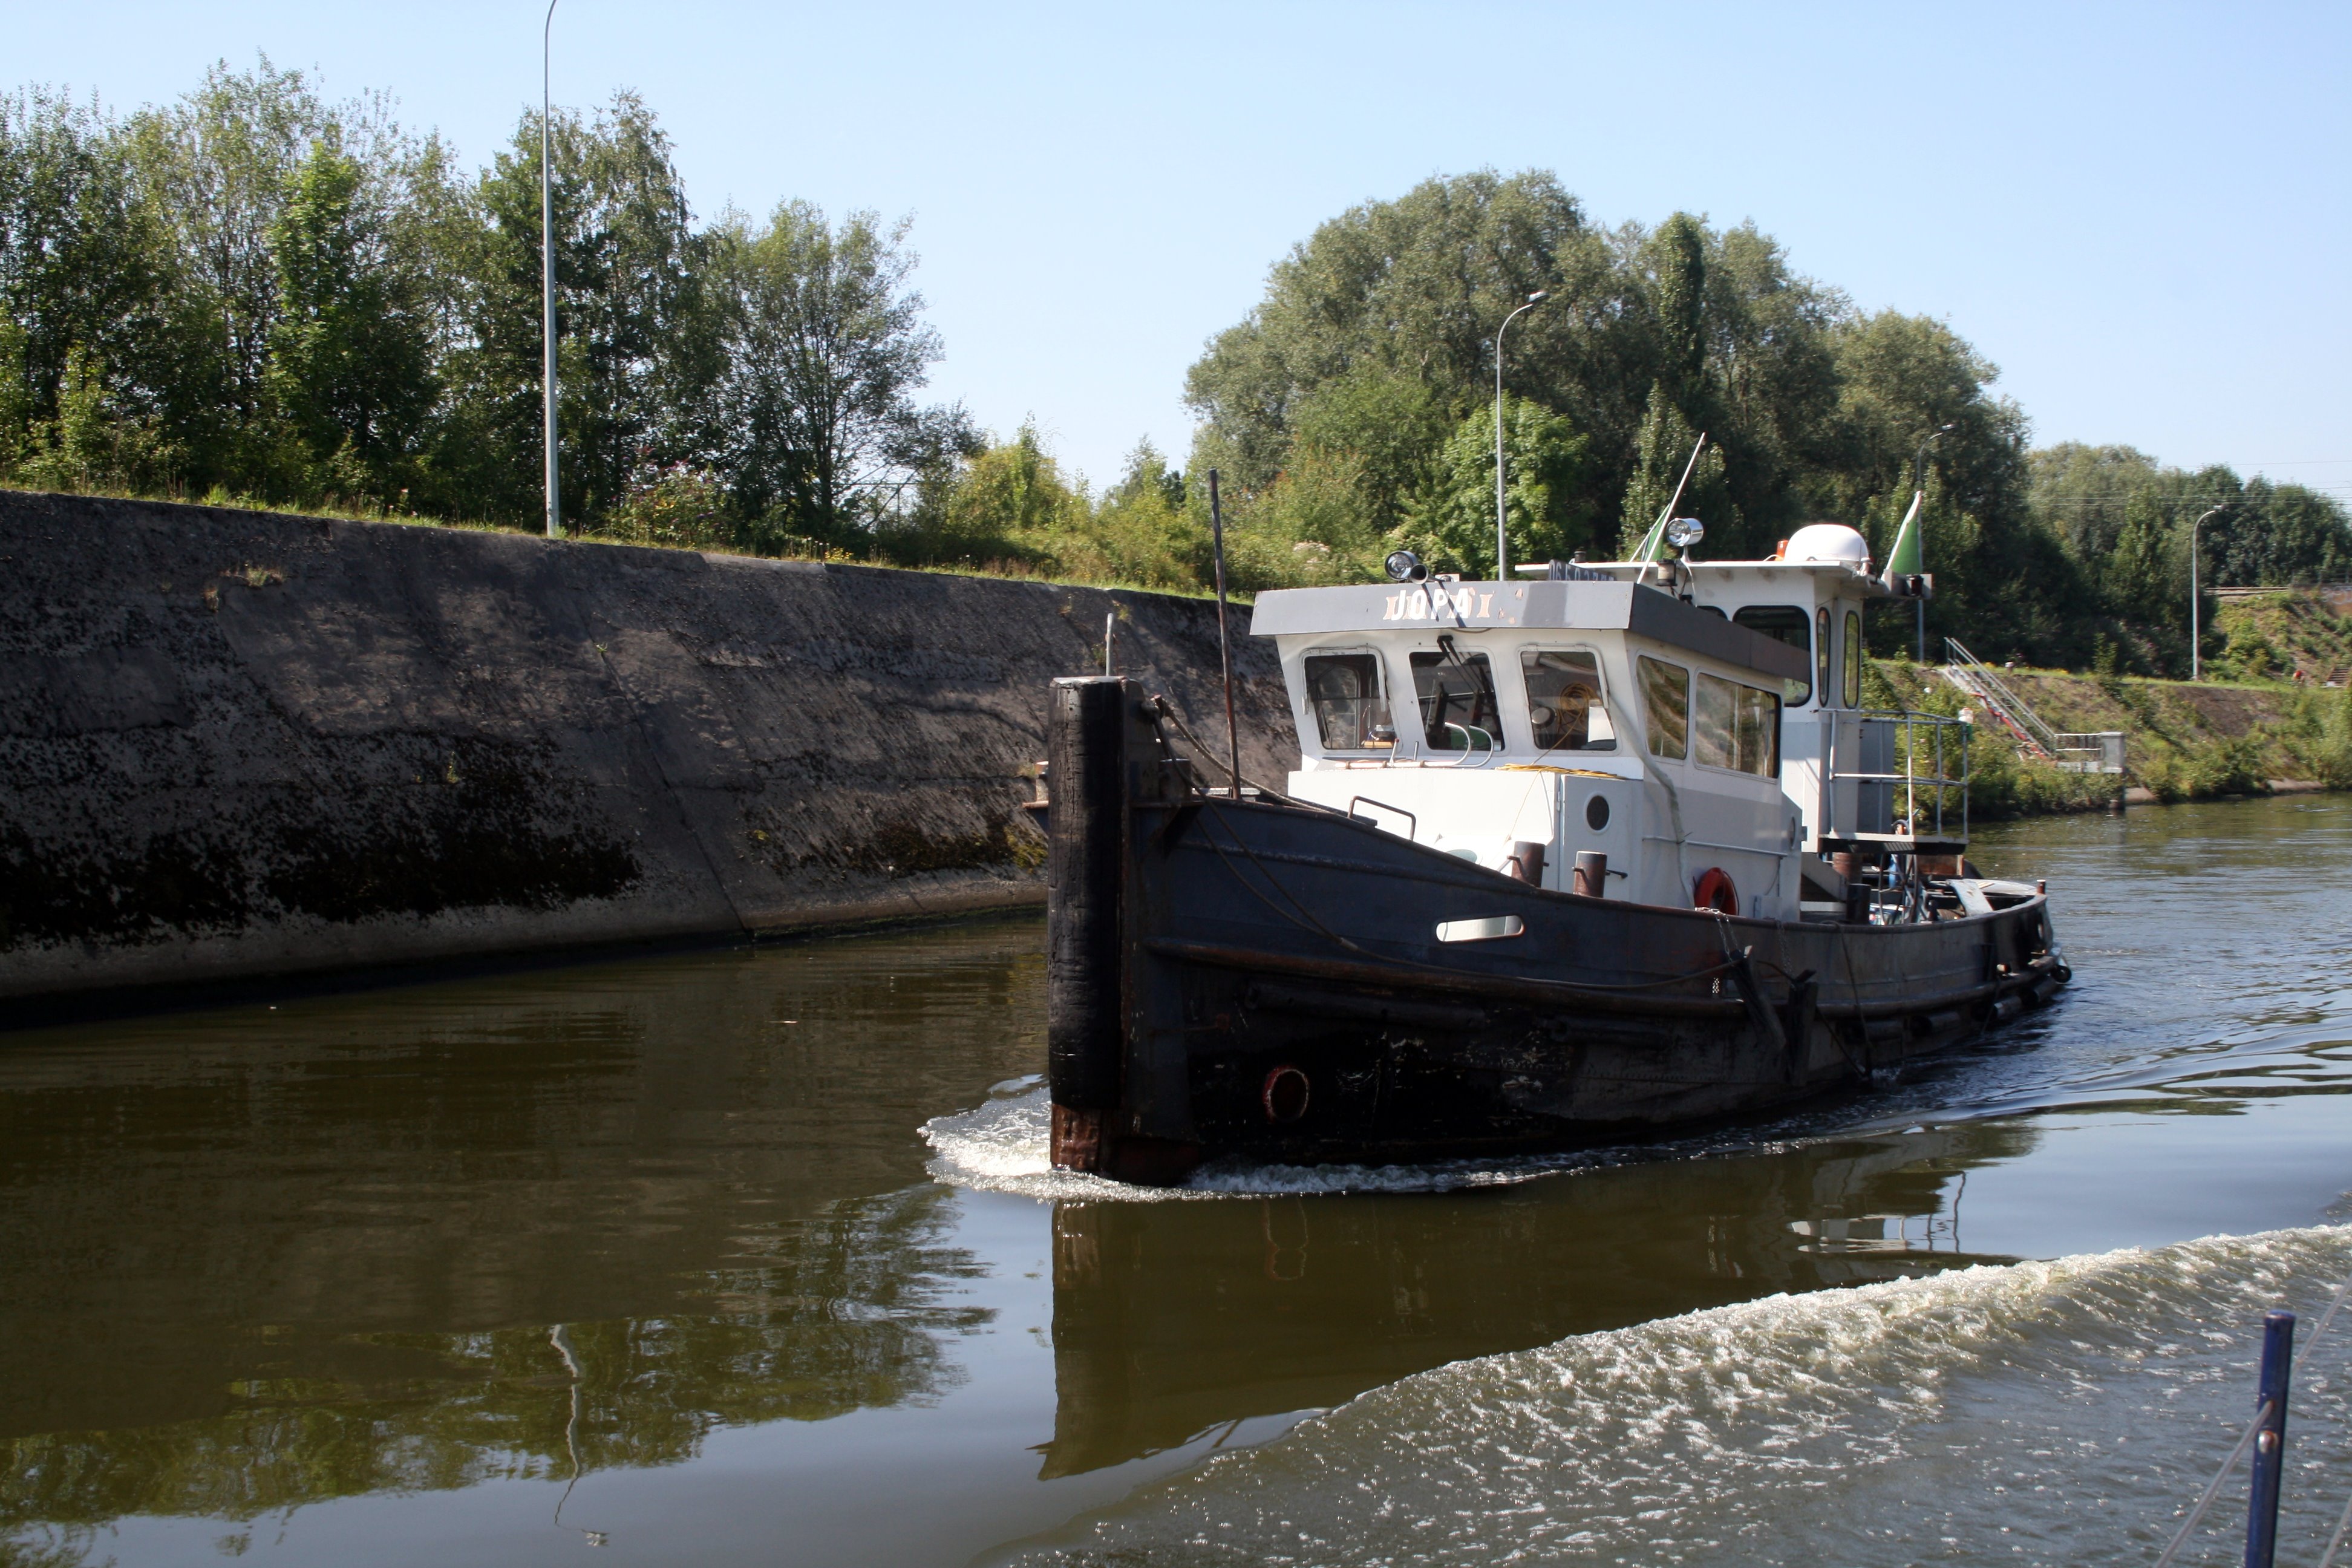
(547, 276)
(2196, 669)
(1919, 487)
(1502, 535)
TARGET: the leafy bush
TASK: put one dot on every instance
(2228, 767)
(677, 506)
(2004, 784)
(1310, 527)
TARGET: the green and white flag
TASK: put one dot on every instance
(1908, 558)
(1653, 543)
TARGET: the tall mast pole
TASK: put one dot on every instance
(547, 276)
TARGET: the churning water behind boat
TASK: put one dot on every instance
(1001, 1147)
(2046, 1412)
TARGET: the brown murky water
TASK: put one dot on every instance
(655, 1259)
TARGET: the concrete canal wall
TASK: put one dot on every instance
(236, 744)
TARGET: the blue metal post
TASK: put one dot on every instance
(2270, 1442)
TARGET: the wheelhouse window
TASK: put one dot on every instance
(1459, 711)
(1349, 704)
(1665, 697)
(1737, 727)
(1564, 708)
(1821, 652)
(1788, 624)
(1854, 658)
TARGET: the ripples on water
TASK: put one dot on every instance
(2048, 1411)
(2054, 1411)
(739, 1258)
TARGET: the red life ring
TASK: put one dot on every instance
(1285, 1094)
(1716, 892)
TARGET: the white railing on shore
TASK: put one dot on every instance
(2092, 752)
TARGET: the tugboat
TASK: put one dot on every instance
(1565, 861)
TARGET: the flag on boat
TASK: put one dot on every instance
(1908, 558)
(1653, 543)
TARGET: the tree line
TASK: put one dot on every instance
(1354, 406)
(255, 294)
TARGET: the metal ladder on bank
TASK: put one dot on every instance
(1974, 678)
(2098, 752)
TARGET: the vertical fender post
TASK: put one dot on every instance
(1796, 1020)
(1761, 1015)
(1086, 859)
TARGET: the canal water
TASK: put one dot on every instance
(751, 1257)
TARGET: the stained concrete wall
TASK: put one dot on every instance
(237, 744)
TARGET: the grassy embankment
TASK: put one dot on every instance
(790, 548)
(2247, 724)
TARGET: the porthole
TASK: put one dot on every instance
(1596, 813)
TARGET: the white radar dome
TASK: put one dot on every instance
(1829, 543)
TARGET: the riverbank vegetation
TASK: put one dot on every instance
(2210, 740)
(256, 295)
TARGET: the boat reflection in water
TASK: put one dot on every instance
(1173, 1320)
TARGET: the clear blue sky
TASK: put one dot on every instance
(2142, 214)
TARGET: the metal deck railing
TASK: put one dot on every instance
(1895, 747)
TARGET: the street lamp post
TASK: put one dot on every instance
(2196, 669)
(1919, 486)
(547, 276)
(1502, 535)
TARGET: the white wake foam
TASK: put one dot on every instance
(1002, 1146)
(2055, 1412)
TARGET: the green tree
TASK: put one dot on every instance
(1311, 525)
(96, 440)
(1661, 457)
(637, 337)
(1008, 502)
(823, 346)
(1715, 323)
(83, 269)
(2274, 533)
(1415, 288)
(2125, 518)
(216, 170)
(1675, 258)
(2004, 579)
(349, 366)
(1392, 424)
(1142, 530)
(1453, 525)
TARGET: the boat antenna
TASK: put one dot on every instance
(1657, 529)
(1225, 641)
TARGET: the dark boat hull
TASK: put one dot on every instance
(1264, 979)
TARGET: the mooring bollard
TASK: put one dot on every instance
(1590, 876)
(2270, 1440)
